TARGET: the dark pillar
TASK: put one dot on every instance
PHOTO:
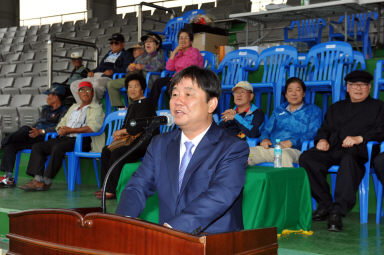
(102, 9)
(9, 13)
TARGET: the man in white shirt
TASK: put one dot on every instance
(86, 117)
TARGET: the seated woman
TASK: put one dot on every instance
(293, 122)
(151, 61)
(140, 108)
(183, 56)
(245, 119)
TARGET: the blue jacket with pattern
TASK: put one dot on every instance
(297, 126)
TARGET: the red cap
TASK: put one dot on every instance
(85, 84)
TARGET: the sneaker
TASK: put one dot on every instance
(34, 185)
(7, 182)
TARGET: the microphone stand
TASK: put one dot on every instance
(147, 134)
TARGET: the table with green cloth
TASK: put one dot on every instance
(273, 197)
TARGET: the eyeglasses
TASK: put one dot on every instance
(241, 92)
(85, 90)
(150, 41)
(358, 85)
(114, 42)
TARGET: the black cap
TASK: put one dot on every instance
(154, 36)
(56, 89)
(359, 75)
(117, 37)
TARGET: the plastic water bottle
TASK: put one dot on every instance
(277, 152)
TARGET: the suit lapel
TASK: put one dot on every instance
(173, 159)
(205, 146)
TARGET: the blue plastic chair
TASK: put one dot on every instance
(364, 184)
(379, 192)
(209, 60)
(233, 69)
(324, 70)
(378, 82)
(278, 64)
(189, 15)
(308, 31)
(28, 151)
(114, 121)
(357, 30)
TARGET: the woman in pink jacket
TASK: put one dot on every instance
(184, 55)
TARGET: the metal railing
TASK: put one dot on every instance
(69, 41)
(140, 16)
(84, 13)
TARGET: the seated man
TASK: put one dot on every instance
(196, 193)
(341, 140)
(86, 117)
(115, 61)
(26, 136)
(79, 72)
(245, 119)
(293, 122)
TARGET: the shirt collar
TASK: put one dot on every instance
(195, 140)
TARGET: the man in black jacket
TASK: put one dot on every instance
(342, 140)
(115, 61)
(26, 136)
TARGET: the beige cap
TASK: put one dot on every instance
(75, 55)
(244, 85)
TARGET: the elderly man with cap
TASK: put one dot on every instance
(79, 72)
(84, 117)
(26, 136)
(341, 140)
(115, 61)
(114, 86)
(246, 118)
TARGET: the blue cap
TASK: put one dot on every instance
(56, 89)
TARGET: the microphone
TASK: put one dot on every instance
(165, 119)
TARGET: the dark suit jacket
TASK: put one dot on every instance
(210, 197)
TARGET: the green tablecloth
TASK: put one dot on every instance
(272, 197)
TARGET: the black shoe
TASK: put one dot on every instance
(335, 223)
(320, 214)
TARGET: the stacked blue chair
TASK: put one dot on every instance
(357, 30)
(232, 69)
(378, 82)
(308, 31)
(278, 64)
(325, 69)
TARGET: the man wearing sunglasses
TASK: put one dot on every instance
(342, 140)
(115, 61)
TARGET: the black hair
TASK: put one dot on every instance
(136, 76)
(204, 78)
(292, 80)
(183, 30)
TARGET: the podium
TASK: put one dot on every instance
(87, 231)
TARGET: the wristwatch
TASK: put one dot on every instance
(43, 131)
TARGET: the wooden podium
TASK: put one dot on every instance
(87, 231)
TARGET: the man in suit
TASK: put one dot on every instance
(199, 170)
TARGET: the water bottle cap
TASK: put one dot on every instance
(277, 140)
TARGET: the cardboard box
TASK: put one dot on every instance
(209, 42)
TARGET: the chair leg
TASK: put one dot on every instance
(379, 198)
(96, 172)
(333, 185)
(363, 196)
(314, 204)
(71, 172)
(17, 165)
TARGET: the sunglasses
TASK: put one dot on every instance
(114, 42)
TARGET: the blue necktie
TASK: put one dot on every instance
(185, 161)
